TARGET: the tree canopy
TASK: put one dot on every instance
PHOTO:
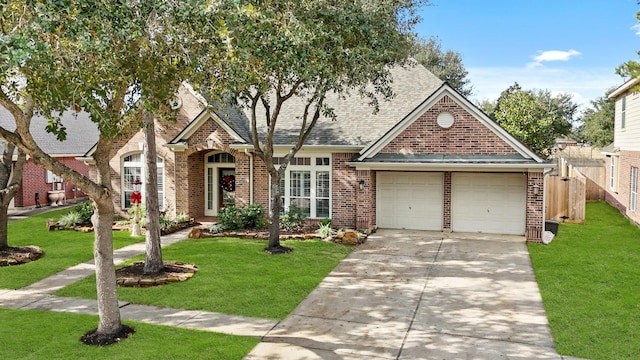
(598, 122)
(535, 117)
(305, 50)
(447, 65)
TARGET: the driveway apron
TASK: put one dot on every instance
(420, 295)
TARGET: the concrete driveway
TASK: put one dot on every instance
(420, 295)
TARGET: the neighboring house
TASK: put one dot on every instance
(40, 186)
(427, 160)
(623, 156)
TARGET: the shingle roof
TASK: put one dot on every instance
(82, 133)
(356, 124)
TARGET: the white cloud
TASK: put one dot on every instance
(584, 84)
(552, 55)
(636, 28)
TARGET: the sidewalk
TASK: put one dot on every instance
(38, 296)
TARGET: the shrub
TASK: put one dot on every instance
(293, 220)
(69, 220)
(85, 211)
(216, 228)
(182, 217)
(242, 217)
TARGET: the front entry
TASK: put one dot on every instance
(220, 182)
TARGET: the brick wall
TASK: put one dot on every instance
(622, 198)
(344, 183)
(446, 199)
(466, 136)
(34, 180)
(535, 207)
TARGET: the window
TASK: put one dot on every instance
(623, 113)
(307, 187)
(53, 178)
(132, 168)
(633, 202)
(613, 173)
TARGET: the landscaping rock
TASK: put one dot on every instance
(350, 237)
(195, 233)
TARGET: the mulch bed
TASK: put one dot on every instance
(133, 275)
(93, 338)
(20, 255)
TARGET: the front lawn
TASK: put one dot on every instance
(63, 248)
(235, 277)
(589, 278)
(49, 335)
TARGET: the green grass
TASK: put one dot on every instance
(48, 335)
(62, 249)
(235, 277)
(589, 278)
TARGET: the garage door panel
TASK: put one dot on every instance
(410, 200)
(490, 203)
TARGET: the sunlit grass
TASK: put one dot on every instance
(589, 278)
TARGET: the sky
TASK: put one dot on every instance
(564, 46)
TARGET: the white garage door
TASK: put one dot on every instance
(488, 203)
(409, 200)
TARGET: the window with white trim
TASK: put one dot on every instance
(53, 178)
(132, 168)
(623, 113)
(307, 186)
(613, 173)
(633, 201)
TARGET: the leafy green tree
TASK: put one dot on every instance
(112, 59)
(598, 122)
(447, 65)
(305, 50)
(536, 118)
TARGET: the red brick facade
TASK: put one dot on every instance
(621, 198)
(353, 192)
(466, 136)
(34, 181)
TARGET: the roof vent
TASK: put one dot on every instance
(445, 120)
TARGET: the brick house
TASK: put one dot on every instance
(40, 186)
(428, 159)
(623, 156)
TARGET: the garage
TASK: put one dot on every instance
(410, 200)
(488, 203)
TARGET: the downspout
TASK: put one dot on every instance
(250, 175)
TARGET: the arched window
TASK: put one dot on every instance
(132, 168)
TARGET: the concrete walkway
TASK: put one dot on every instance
(401, 295)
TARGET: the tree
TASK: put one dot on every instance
(10, 178)
(112, 60)
(153, 251)
(598, 122)
(535, 118)
(447, 65)
(305, 50)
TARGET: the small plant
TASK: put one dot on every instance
(293, 220)
(325, 230)
(70, 220)
(142, 214)
(85, 210)
(182, 217)
(215, 228)
(325, 221)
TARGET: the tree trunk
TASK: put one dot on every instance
(4, 219)
(274, 225)
(153, 258)
(108, 310)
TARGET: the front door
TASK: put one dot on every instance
(220, 183)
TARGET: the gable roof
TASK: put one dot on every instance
(82, 133)
(524, 153)
(356, 123)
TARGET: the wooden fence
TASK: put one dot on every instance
(565, 198)
(595, 182)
